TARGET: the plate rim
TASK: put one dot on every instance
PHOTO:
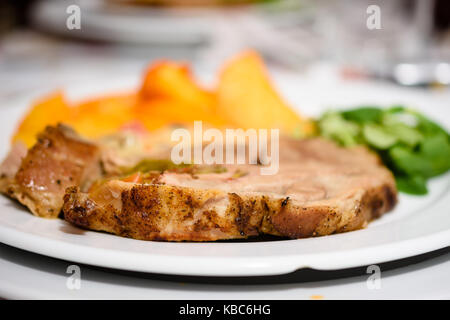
(248, 266)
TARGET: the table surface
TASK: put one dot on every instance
(25, 275)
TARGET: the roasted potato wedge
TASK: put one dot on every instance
(244, 98)
(105, 115)
(247, 98)
(174, 81)
(48, 111)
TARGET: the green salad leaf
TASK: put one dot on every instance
(409, 162)
(414, 147)
(378, 137)
(335, 127)
(363, 114)
(436, 149)
(412, 184)
(405, 134)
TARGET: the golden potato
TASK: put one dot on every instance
(244, 98)
(170, 95)
(47, 111)
(174, 81)
(247, 98)
(104, 115)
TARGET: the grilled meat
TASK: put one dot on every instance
(11, 164)
(38, 178)
(320, 189)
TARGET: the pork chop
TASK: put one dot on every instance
(38, 178)
(320, 189)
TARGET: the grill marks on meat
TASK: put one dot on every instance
(58, 160)
(320, 189)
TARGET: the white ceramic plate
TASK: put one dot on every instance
(417, 225)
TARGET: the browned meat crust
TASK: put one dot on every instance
(330, 190)
(59, 159)
(160, 212)
(358, 209)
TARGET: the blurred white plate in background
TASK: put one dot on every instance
(139, 24)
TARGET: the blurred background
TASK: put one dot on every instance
(40, 41)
